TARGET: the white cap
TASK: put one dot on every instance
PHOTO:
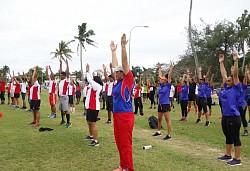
(118, 68)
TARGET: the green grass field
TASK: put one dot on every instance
(193, 146)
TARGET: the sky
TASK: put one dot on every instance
(31, 29)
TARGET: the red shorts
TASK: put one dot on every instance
(52, 98)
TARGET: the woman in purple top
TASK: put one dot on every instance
(231, 120)
(202, 98)
(164, 102)
(242, 102)
(184, 96)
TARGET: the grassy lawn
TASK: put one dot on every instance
(193, 146)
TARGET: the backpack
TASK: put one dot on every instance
(153, 122)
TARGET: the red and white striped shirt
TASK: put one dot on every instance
(110, 88)
(72, 90)
(63, 87)
(93, 94)
(35, 91)
(52, 86)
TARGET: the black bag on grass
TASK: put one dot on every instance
(153, 122)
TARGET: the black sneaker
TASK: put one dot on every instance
(141, 114)
(198, 121)
(167, 138)
(94, 143)
(88, 138)
(234, 162)
(245, 133)
(157, 134)
(98, 119)
(63, 122)
(150, 108)
(207, 123)
(225, 158)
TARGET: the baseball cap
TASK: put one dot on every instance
(118, 68)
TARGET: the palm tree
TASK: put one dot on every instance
(83, 37)
(63, 52)
(190, 38)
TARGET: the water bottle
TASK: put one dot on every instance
(147, 147)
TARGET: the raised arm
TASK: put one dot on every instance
(211, 80)
(34, 76)
(67, 68)
(46, 73)
(52, 75)
(222, 68)
(200, 75)
(170, 72)
(111, 70)
(195, 75)
(235, 72)
(60, 68)
(20, 77)
(207, 75)
(113, 48)
(159, 70)
(105, 72)
(245, 76)
(125, 65)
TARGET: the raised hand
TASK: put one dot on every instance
(103, 66)
(87, 68)
(221, 58)
(200, 69)
(159, 65)
(113, 47)
(123, 40)
(232, 69)
(235, 56)
(110, 65)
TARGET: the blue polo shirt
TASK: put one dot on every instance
(122, 94)
(202, 89)
(184, 93)
(209, 91)
(229, 100)
(163, 92)
(241, 100)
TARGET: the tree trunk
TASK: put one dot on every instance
(81, 61)
(191, 41)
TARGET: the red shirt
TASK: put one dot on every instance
(2, 85)
(137, 92)
(17, 89)
(178, 89)
(78, 88)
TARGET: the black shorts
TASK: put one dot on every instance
(84, 99)
(109, 103)
(78, 94)
(209, 102)
(71, 99)
(16, 95)
(8, 95)
(92, 115)
(23, 96)
(164, 108)
(145, 95)
(191, 97)
(202, 104)
(248, 102)
(35, 104)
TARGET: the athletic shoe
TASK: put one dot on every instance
(157, 134)
(17, 107)
(248, 122)
(52, 116)
(94, 143)
(182, 119)
(135, 113)
(30, 110)
(118, 169)
(68, 125)
(185, 120)
(108, 122)
(167, 138)
(150, 108)
(88, 138)
(198, 121)
(141, 114)
(245, 133)
(207, 123)
(84, 114)
(98, 119)
(234, 162)
(225, 158)
(24, 107)
(36, 124)
(62, 122)
(33, 122)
